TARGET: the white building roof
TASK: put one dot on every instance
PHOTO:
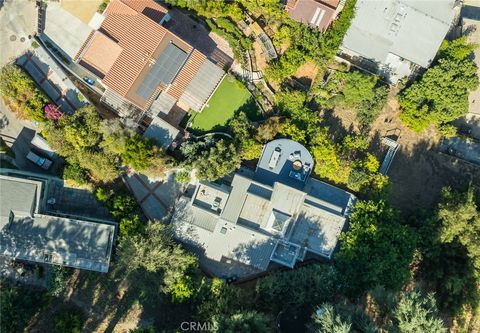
(408, 29)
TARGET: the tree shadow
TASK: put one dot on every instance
(335, 126)
(418, 174)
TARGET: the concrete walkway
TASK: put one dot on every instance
(156, 197)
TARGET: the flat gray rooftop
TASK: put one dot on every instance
(18, 196)
(27, 234)
(409, 29)
(64, 29)
(260, 218)
(62, 241)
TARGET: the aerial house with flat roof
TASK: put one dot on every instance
(277, 214)
(396, 38)
(29, 232)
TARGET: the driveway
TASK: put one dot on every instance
(65, 30)
(18, 19)
(18, 134)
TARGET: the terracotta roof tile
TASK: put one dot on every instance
(186, 74)
(102, 53)
(83, 46)
(116, 25)
(130, 24)
(148, 8)
(316, 13)
(138, 43)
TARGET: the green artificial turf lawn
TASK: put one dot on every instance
(229, 97)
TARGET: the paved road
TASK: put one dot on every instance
(18, 19)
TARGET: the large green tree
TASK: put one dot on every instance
(327, 320)
(441, 94)
(460, 222)
(450, 251)
(417, 314)
(154, 250)
(211, 159)
(243, 322)
(100, 147)
(355, 90)
(306, 286)
(244, 137)
(18, 305)
(377, 249)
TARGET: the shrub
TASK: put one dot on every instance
(181, 289)
(21, 94)
(56, 279)
(52, 111)
(441, 94)
(68, 321)
(18, 305)
(101, 8)
(75, 173)
(183, 177)
(102, 194)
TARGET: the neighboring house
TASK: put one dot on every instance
(146, 69)
(28, 232)
(397, 37)
(315, 13)
(277, 214)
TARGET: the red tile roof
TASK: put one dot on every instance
(83, 45)
(316, 13)
(129, 23)
(139, 41)
(149, 8)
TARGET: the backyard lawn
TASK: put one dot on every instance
(230, 97)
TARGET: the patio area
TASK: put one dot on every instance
(156, 197)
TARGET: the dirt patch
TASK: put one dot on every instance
(307, 73)
(341, 121)
(419, 171)
(83, 9)
(260, 56)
